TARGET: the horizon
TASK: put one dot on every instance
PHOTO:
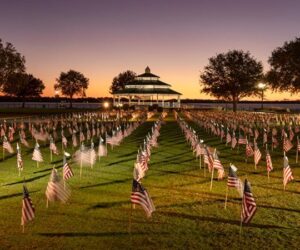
(102, 39)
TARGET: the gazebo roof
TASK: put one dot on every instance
(165, 91)
(148, 82)
(147, 73)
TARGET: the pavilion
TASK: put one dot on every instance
(146, 89)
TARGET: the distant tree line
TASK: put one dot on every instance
(229, 76)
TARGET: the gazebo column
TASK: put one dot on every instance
(178, 101)
(119, 100)
(129, 100)
(139, 101)
(163, 101)
(114, 101)
(157, 99)
(151, 99)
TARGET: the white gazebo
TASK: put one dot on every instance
(147, 89)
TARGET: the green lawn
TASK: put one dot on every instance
(187, 216)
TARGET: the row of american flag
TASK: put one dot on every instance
(212, 161)
(139, 195)
(57, 189)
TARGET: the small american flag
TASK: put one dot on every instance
(287, 172)
(248, 204)
(37, 156)
(287, 145)
(28, 209)
(218, 165)
(7, 145)
(269, 161)
(257, 154)
(242, 140)
(140, 196)
(67, 170)
(233, 180)
(233, 141)
(249, 150)
(55, 189)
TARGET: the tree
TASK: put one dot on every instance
(72, 83)
(231, 76)
(284, 74)
(23, 85)
(119, 81)
(11, 62)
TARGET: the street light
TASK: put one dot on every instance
(262, 86)
(106, 105)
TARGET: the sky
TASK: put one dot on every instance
(174, 38)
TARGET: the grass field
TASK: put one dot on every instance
(187, 216)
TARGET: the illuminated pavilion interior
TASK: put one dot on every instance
(146, 89)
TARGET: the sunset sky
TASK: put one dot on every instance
(174, 37)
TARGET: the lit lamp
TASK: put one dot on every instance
(106, 105)
(262, 87)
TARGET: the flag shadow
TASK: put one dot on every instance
(102, 234)
(219, 220)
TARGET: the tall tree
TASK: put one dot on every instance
(284, 74)
(23, 85)
(119, 81)
(11, 62)
(231, 76)
(72, 83)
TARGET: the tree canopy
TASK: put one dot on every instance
(231, 76)
(284, 74)
(72, 83)
(11, 62)
(119, 81)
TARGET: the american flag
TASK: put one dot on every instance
(208, 159)
(242, 140)
(28, 209)
(248, 204)
(140, 196)
(257, 154)
(233, 180)
(249, 150)
(233, 141)
(228, 137)
(67, 170)
(269, 161)
(53, 147)
(37, 156)
(287, 145)
(298, 144)
(265, 139)
(7, 145)
(218, 165)
(55, 189)
(287, 171)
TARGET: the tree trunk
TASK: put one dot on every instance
(23, 102)
(234, 105)
(71, 101)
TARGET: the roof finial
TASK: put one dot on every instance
(147, 70)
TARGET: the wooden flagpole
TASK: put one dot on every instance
(254, 153)
(283, 169)
(212, 177)
(297, 149)
(226, 197)
(268, 169)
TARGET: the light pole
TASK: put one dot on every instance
(262, 86)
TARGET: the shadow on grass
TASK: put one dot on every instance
(4, 197)
(219, 220)
(107, 183)
(102, 234)
(109, 204)
(27, 180)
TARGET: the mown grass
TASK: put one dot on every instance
(187, 216)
